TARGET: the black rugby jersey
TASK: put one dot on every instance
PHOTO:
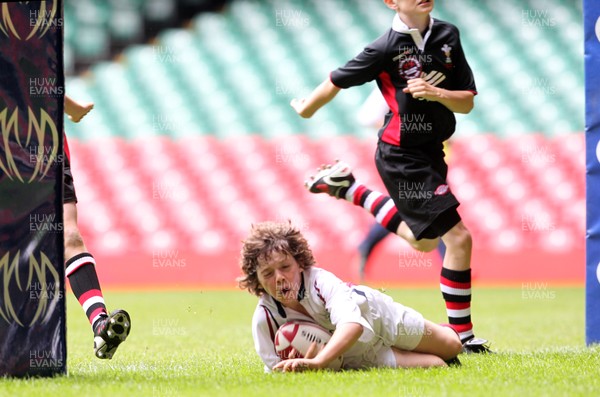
(402, 54)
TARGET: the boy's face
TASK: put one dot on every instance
(411, 7)
(280, 276)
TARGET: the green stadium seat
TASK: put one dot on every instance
(126, 25)
(91, 43)
(235, 72)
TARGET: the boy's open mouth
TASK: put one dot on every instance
(283, 291)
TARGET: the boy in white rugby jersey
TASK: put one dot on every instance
(369, 328)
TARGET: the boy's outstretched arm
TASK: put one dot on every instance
(76, 110)
(320, 96)
(344, 337)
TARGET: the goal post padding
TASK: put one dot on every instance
(32, 296)
(592, 136)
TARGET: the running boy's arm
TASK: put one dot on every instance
(76, 110)
(457, 101)
(363, 68)
(320, 96)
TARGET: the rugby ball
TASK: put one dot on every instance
(300, 335)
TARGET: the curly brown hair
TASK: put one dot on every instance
(266, 238)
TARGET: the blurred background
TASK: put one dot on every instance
(192, 138)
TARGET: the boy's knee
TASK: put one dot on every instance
(425, 244)
(459, 236)
(455, 347)
(73, 238)
(452, 344)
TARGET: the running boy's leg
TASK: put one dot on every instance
(338, 181)
(455, 280)
(109, 329)
(80, 269)
(429, 208)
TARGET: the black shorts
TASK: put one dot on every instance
(415, 179)
(69, 195)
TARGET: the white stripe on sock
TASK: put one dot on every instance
(88, 303)
(466, 334)
(351, 190)
(78, 263)
(458, 313)
(371, 198)
(387, 207)
(455, 291)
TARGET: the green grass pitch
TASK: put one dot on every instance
(199, 343)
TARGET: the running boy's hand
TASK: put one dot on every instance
(421, 89)
(299, 106)
(324, 93)
(456, 101)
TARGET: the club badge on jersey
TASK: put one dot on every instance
(448, 53)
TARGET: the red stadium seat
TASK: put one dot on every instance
(205, 193)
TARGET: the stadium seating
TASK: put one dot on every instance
(192, 138)
(156, 192)
(227, 68)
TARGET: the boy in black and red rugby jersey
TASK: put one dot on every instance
(422, 72)
(109, 329)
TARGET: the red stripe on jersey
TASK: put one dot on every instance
(66, 147)
(89, 294)
(388, 217)
(457, 305)
(271, 331)
(319, 293)
(454, 284)
(391, 134)
(333, 82)
(358, 193)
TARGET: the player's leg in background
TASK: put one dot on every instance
(377, 233)
(374, 236)
(81, 270)
(109, 330)
(441, 249)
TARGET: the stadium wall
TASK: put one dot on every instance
(388, 268)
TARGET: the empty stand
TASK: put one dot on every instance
(156, 192)
(192, 138)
